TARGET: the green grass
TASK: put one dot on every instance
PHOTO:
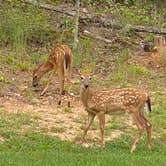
(38, 149)
(34, 148)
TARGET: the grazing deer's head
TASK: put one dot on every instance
(36, 76)
(159, 41)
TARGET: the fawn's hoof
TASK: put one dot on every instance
(42, 94)
(68, 104)
(133, 149)
(59, 102)
(63, 92)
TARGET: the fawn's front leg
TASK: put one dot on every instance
(89, 122)
(49, 81)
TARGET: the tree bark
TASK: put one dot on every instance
(86, 19)
(76, 25)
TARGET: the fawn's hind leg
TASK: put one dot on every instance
(148, 129)
(140, 126)
(62, 79)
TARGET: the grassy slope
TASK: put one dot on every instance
(37, 149)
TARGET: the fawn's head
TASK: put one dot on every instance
(159, 41)
(36, 76)
(85, 79)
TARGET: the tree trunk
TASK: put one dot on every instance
(76, 25)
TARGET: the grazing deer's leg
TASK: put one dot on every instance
(89, 122)
(69, 73)
(140, 127)
(49, 80)
(62, 79)
(101, 117)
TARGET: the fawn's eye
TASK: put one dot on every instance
(90, 78)
(82, 77)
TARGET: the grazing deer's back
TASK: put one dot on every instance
(58, 54)
(118, 98)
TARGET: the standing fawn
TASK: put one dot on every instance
(108, 102)
(60, 59)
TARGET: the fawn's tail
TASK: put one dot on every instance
(148, 104)
(67, 62)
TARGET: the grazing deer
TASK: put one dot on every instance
(99, 103)
(60, 59)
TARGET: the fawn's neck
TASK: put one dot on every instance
(85, 95)
(44, 68)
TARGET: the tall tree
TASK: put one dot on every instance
(76, 25)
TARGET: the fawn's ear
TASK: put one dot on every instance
(78, 72)
(39, 64)
(93, 73)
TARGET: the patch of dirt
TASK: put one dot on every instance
(150, 61)
(2, 139)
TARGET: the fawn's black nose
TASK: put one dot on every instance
(34, 84)
(86, 86)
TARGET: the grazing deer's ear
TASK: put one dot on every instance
(39, 64)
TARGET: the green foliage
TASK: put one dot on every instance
(2, 78)
(19, 26)
(137, 71)
(141, 14)
(149, 38)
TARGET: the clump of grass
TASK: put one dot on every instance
(137, 71)
(68, 109)
(29, 95)
(57, 129)
(10, 123)
(24, 67)
(2, 78)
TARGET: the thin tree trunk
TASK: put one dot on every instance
(76, 25)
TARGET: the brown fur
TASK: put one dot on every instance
(158, 56)
(99, 103)
(60, 59)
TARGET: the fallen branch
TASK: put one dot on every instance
(92, 35)
(86, 19)
(107, 41)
